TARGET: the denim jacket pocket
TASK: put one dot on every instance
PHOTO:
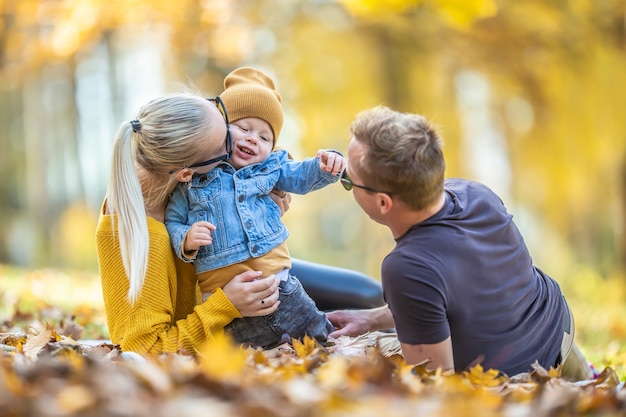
(204, 189)
(264, 183)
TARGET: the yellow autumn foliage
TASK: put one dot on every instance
(56, 375)
(220, 358)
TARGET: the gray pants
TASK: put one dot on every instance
(575, 366)
(296, 317)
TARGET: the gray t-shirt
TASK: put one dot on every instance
(467, 273)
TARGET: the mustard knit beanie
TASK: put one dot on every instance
(248, 92)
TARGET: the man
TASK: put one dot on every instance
(460, 285)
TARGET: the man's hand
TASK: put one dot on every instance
(347, 323)
(357, 322)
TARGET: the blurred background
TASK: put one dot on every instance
(530, 97)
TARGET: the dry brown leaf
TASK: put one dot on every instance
(54, 375)
(75, 399)
(607, 379)
(36, 343)
(152, 375)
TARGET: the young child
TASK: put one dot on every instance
(223, 220)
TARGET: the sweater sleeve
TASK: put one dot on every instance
(166, 316)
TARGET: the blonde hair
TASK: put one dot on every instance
(404, 155)
(169, 133)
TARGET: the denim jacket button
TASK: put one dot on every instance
(248, 224)
(255, 248)
(240, 198)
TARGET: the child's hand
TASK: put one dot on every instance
(199, 235)
(331, 161)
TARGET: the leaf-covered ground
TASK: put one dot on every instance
(45, 371)
(49, 368)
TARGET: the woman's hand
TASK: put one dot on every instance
(282, 200)
(252, 294)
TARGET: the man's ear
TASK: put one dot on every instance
(184, 175)
(385, 202)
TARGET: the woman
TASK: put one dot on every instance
(151, 299)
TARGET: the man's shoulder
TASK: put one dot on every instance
(469, 192)
(413, 254)
(461, 184)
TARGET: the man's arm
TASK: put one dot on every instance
(357, 322)
(439, 354)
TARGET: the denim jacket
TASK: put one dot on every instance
(237, 202)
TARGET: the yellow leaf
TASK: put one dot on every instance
(304, 348)
(54, 335)
(459, 14)
(258, 356)
(378, 7)
(333, 373)
(220, 358)
(555, 372)
(462, 13)
(15, 341)
(480, 377)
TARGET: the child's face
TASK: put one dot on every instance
(253, 141)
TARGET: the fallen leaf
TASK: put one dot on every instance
(36, 343)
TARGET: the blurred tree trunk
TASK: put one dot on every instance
(35, 202)
(393, 56)
(12, 164)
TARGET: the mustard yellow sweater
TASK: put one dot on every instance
(168, 314)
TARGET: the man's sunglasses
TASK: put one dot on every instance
(348, 184)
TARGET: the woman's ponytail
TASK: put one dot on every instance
(125, 198)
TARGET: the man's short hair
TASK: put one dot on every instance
(404, 155)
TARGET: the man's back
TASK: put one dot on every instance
(466, 273)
